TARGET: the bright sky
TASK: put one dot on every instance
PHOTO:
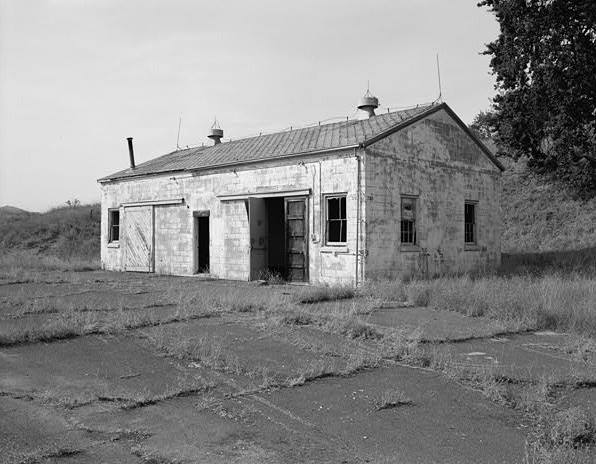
(79, 76)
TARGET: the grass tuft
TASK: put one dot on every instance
(331, 293)
(562, 437)
(549, 302)
(392, 398)
(571, 427)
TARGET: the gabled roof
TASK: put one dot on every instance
(171, 162)
(315, 139)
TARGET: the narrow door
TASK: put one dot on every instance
(257, 218)
(202, 225)
(138, 239)
(296, 239)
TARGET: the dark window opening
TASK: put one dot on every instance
(470, 222)
(337, 223)
(408, 220)
(113, 225)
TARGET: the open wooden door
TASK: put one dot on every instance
(297, 239)
(257, 217)
(138, 238)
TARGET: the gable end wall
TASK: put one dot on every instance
(436, 161)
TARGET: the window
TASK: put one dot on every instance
(408, 220)
(114, 225)
(336, 224)
(470, 222)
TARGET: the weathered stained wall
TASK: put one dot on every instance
(436, 161)
(173, 239)
(229, 229)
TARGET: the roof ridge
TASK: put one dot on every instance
(318, 123)
(314, 138)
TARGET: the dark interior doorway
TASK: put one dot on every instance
(202, 244)
(278, 238)
(277, 244)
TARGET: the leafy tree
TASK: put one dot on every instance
(73, 203)
(484, 125)
(544, 60)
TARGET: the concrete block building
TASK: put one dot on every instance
(381, 197)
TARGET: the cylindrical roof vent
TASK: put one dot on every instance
(216, 133)
(368, 103)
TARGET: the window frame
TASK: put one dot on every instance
(474, 205)
(111, 225)
(414, 242)
(344, 221)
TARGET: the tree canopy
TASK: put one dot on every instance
(544, 60)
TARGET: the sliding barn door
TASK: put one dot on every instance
(297, 239)
(138, 243)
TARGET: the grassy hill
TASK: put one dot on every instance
(541, 215)
(10, 212)
(66, 232)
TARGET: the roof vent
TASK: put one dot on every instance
(216, 133)
(368, 103)
(131, 153)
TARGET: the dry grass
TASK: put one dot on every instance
(351, 326)
(565, 303)
(392, 398)
(579, 261)
(208, 351)
(22, 265)
(562, 437)
(541, 214)
(146, 398)
(334, 316)
(65, 232)
(329, 293)
(30, 332)
(536, 454)
(72, 320)
(549, 302)
(384, 291)
(215, 353)
(65, 397)
(556, 436)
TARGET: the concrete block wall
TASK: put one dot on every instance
(436, 161)
(174, 236)
(235, 262)
(173, 239)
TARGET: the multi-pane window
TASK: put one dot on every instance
(470, 222)
(408, 220)
(336, 223)
(114, 225)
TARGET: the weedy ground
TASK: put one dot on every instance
(247, 334)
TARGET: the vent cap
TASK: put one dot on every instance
(216, 133)
(368, 103)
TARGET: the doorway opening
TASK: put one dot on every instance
(277, 245)
(278, 241)
(202, 231)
